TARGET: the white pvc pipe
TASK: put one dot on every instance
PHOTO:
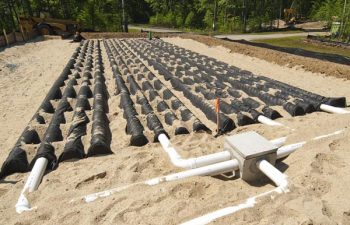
(274, 174)
(249, 203)
(206, 160)
(175, 158)
(191, 163)
(210, 159)
(264, 120)
(215, 169)
(328, 135)
(32, 184)
(288, 149)
(270, 171)
(279, 141)
(332, 109)
(227, 166)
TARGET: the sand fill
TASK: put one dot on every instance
(318, 172)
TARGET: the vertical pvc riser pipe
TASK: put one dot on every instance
(31, 185)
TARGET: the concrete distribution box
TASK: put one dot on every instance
(248, 148)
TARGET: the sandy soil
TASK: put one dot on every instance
(154, 29)
(272, 56)
(318, 172)
(280, 58)
(312, 25)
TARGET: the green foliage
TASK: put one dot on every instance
(190, 20)
(5, 16)
(328, 9)
(101, 15)
(227, 15)
(331, 11)
(170, 19)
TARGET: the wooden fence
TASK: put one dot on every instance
(15, 37)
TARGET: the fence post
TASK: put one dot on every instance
(14, 35)
(7, 40)
(21, 28)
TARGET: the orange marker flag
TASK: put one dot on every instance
(217, 109)
(217, 105)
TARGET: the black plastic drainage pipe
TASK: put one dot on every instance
(269, 99)
(226, 124)
(17, 161)
(152, 120)
(169, 116)
(100, 142)
(134, 126)
(186, 114)
(207, 79)
(53, 132)
(306, 97)
(74, 148)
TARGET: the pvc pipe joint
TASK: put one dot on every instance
(206, 160)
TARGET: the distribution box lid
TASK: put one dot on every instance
(250, 145)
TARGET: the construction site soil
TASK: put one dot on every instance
(301, 52)
(318, 172)
(281, 58)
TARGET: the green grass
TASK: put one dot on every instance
(210, 32)
(278, 32)
(299, 42)
(133, 30)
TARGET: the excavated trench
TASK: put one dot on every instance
(163, 89)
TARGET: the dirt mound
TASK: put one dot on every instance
(317, 25)
(280, 58)
(335, 58)
(105, 35)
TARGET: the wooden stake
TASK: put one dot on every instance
(21, 28)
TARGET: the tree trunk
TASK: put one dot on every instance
(214, 18)
(245, 15)
(27, 7)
